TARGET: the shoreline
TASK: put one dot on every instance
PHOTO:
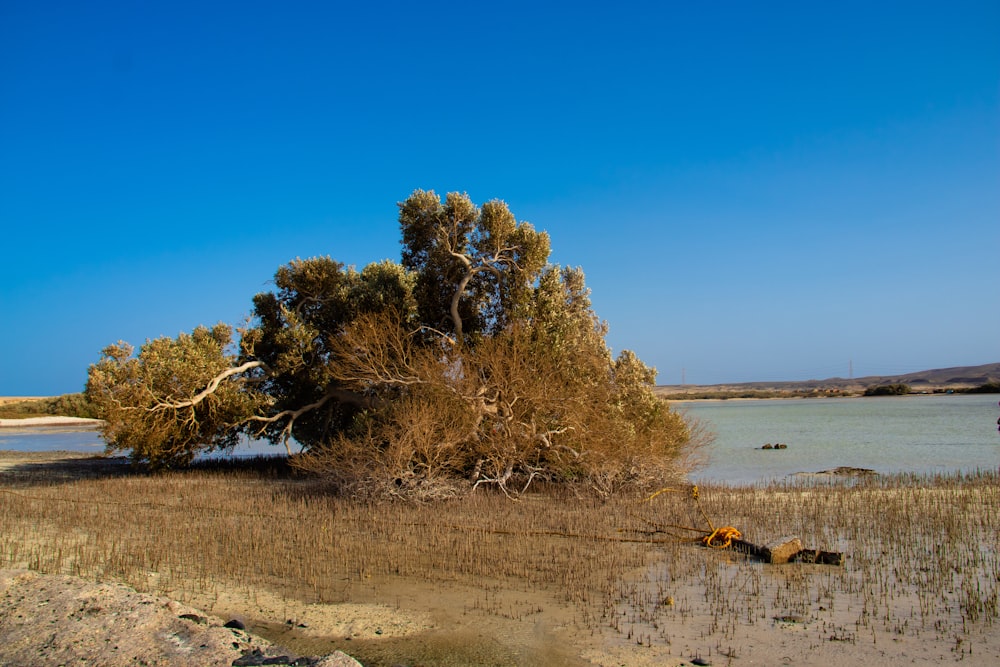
(671, 398)
(32, 422)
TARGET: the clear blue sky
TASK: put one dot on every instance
(755, 191)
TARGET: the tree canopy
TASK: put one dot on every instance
(472, 361)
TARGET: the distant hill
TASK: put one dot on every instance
(938, 379)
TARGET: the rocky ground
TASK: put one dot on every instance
(62, 620)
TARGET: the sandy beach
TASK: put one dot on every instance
(30, 422)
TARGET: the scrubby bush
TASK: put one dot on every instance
(473, 362)
(894, 389)
(991, 387)
(67, 405)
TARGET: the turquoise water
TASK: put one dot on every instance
(923, 434)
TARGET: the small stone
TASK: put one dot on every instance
(194, 618)
(235, 624)
(789, 618)
(250, 659)
(701, 662)
(337, 659)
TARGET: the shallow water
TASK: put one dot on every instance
(918, 434)
(51, 438)
(77, 439)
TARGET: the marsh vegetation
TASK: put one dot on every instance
(608, 573)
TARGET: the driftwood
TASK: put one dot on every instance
(782, 550)
(786, 550)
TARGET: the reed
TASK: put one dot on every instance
(922, 550)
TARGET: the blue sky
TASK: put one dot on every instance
(755, 191)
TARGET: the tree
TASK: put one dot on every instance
(472, 362)
(474, 267)
(176, 398)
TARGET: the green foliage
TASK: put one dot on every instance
(150, 401)
(991, 387)
(298, 337)
(895, 389)
(474, 267)
(472, 362)
(67, 405)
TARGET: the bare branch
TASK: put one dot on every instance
(286, 432)
(210, 389)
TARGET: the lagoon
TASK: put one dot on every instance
(50, 439)
(77, 439)
(924, 434)
(911, 434)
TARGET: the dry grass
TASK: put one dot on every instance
(922, 562)
(922, 556)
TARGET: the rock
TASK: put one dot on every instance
(250, 659)
(258, 658)
(235, 624)
(790, 618)
(338, 659)
(143, 629)
(194, 618)
(840, 471)
(820, 557)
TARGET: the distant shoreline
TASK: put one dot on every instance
(679, 398)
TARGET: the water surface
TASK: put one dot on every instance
(922, 434)
(83, 439)
(51, 438)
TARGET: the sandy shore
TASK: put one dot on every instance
(50, 421)
(49, 619)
